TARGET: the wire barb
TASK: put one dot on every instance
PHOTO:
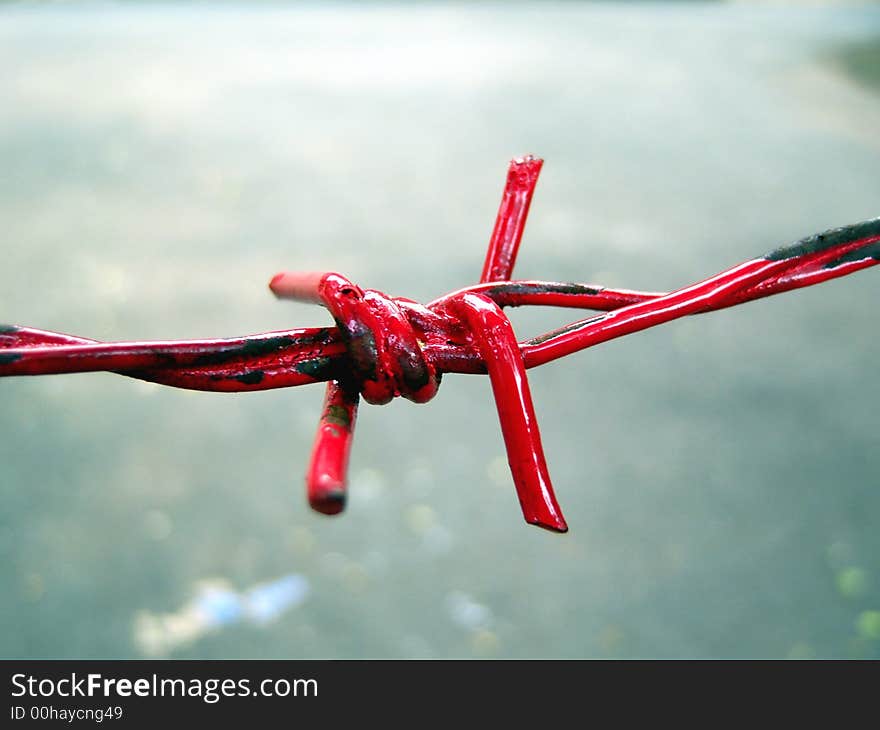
(383, 347)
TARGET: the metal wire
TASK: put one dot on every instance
(384, 347)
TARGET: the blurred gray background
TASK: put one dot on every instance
(720, 474)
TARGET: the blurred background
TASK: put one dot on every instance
(720, 474)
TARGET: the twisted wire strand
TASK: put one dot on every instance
(384, 347)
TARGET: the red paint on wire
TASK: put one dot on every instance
(522, 176)
(384, 347)
(326, 483)
(497, 344)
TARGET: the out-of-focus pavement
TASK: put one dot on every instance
(720, 475)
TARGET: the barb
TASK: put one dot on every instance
(383, 347)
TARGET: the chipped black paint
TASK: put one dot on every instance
(574, 327)
(321, 336)
(828, 239)
(516, 289)
(871, 251)
(250, 378)
(8, 329)
(335, 497)
(415, 372)
(361, 345)
(248, 349)
(318, 368)
(9, 357)
(338, 416)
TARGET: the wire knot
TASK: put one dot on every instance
(383, 344)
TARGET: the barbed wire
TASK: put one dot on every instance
(383, 347)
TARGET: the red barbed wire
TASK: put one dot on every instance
(383, 347)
